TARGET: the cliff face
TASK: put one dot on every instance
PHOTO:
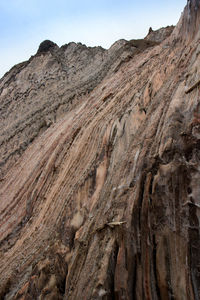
(37, 93)
(100, 170)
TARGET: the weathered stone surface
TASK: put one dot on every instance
(37, 93)
(46, 46)
(159, 35)
(100, 150)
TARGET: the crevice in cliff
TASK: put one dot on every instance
(194, 246)
(5, 290)
(168, 270)
(111, 274)
(157, 290)
(140, 196)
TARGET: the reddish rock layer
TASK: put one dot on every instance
(99, 194)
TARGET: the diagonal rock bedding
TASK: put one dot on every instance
(100, 169)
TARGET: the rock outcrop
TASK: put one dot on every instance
(100, 170)
(46, 46)
(39, 92)
(159, 35)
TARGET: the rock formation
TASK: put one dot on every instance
(159, 35)
(100, 170)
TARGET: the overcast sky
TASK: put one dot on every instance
(24, 24)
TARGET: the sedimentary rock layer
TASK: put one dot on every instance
(100, 160)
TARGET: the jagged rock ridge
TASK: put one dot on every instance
(100, 156)
(37, 93)
(159, 35)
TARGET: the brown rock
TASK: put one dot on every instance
(159, 35)
(100, 159)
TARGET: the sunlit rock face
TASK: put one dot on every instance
(188, 26)
(100, 171)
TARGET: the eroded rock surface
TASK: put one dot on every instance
(100, 171)
(159, 35)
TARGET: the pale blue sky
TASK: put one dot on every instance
(24, 24)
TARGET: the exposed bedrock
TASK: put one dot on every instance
(100, 171)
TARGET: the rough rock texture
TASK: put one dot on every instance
(45, 46)
(100, 171)
(191, 20)
(159, 35)
(39, 92)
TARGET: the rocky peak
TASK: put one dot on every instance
(46, 46)
(160, 34)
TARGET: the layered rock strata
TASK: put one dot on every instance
(100, 160)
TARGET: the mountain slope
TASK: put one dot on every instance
(99, 191)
